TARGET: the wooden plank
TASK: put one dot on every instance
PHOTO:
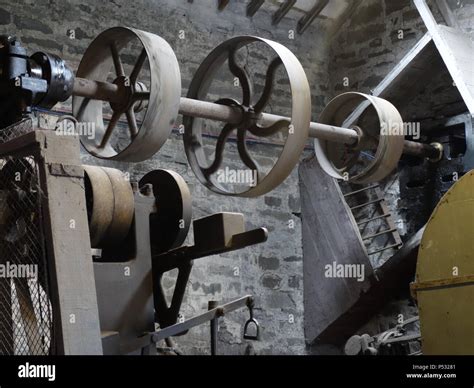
(330, 235)
(451, 44)
(447, 13)
(70, 266)
(392, 280)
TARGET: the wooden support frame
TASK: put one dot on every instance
(307, 19)
(285, 7)
(447, 13)
(69, 266)
(450, 42)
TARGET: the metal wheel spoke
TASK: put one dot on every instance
(219, 155)
(108, 132)
(138, 67)
(268, 89)
(132, 122)
(279, 126)
(244, 78)
(244, 154)
(117, 62)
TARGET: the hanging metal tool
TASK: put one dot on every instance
(251, 323)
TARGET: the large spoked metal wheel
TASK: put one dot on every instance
(152, 88)
(381, 145)
(295, 128)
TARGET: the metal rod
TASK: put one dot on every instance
(233, 115)
(415, 148)
(361, 190)
(383, 249)
(367, 203)
(214, 323)
(370, 236)
(200, 319)
(106, 91)
(405, 338)
(373, 219)
(209, 110)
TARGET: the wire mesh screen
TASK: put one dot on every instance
(25, 308)
(15, 130)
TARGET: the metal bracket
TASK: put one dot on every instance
(215, 234)
(440, 283)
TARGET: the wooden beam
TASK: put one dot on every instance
(395, 75)
(456, 49)
(447, 13)
(74, 297)
(285, 7)
(330, 236)
(253, 7)
(393, 279)
(307, 19)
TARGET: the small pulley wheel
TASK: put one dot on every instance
(110, 205)
(170, 224)
(381, 132)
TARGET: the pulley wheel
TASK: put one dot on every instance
(110, 205)
(170, 224)
(295, 128)
(148, 95)
(380, 125)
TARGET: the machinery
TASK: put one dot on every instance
(374, 129)
(444, 283)
(110, 303)
(107, 301)
(396, 341)
(443, 288)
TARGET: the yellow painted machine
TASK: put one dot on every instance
(444, 286)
